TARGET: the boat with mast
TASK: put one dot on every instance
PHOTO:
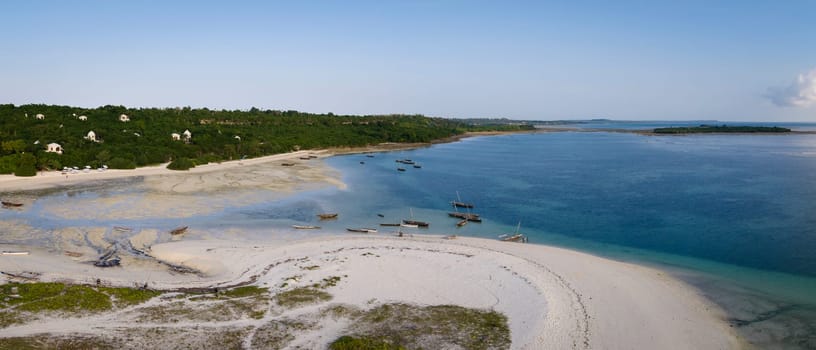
(406, 222)
(515, 236)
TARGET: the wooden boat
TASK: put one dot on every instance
(415, 222)
(515, 236)
(14, 252)
(109, 262)
(458, 202)
(11, 204)
(122, 229)
(380, 215)
(370, 155)
(305, 158)
(390, 224)
(179, 230)
(306, 227)
(466, 216)
(362, 162)
(72, 254)
(327, 216)
(287, 164)
(362, 230)
(409, 225)
(417, 166)
(462, 223)
(461, 204)
(400, 169)
(312, 156)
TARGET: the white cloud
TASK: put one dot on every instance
(800, 93)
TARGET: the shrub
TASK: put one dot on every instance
(121, 163)
(181, 164)
(26, 167)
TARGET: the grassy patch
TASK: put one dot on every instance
(245, 291)
(69, 299)
(277, 334)
(301, 296)
(443, 326)
(363, 343)
(56, 342)
(129, 296)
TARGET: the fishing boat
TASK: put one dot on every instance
(458, 202)
(361, 162)
(326, 216)
(515, 236)
(407, 225)
(179, 230)
(11, 204)
(400, 169)
(380, 215)
(306, 227)
(305, 158)
(362, 230)
(122, 229)
(462, 223)
(417, 166)
(466, 216)
(287, 164)
(370, 155)
(414, 222)
(390, 224)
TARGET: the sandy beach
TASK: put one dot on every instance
(553, 298)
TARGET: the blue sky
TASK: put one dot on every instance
(726, 60)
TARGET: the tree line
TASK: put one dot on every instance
(216, 135)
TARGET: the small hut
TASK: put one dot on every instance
(175, 136)
(39, 116)
(54, 148)
(124, 118)
(91, 136)
(187, 135)
(238, 137)
(82, 118)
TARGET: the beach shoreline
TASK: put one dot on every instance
(553, 297)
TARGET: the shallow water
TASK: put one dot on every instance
(730, 214)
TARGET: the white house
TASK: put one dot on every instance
(82, 118)
(54, 148)
(39, 116)
(238, 137)
(187, 135)
(91, 136)
(124, 118)
(175, 136)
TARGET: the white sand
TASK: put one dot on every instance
(554, 298)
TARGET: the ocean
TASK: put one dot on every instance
(733, 215)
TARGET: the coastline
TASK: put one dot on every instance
(553, 297)
(615, 297)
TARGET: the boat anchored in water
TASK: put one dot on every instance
(306, 227)
(326, 216)
(362, 230)
(515, 236)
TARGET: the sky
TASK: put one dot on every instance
(546, 60)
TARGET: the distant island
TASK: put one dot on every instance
(47, 137)
(702, 129)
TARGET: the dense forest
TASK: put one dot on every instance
(147, 136)
(720, 129)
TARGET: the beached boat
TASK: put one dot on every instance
(327, 216)
(14, 252)
(390, 224)
(305, 158)
(27, 275)
(11, 204)
(514, 237)
(122, 229)
(179, 230)
(108, 259)
(287, 164)
(462, 223)
(406, 225)
(362, 230)
(306, 227)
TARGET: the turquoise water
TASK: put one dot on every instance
(734, 215)
(645, 124)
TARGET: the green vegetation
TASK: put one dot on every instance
(363, 343)
(301, 296)
(181, 164)
(146, 138)
(413, 327)
(245, 291)
(720, 129)
(128, 296)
